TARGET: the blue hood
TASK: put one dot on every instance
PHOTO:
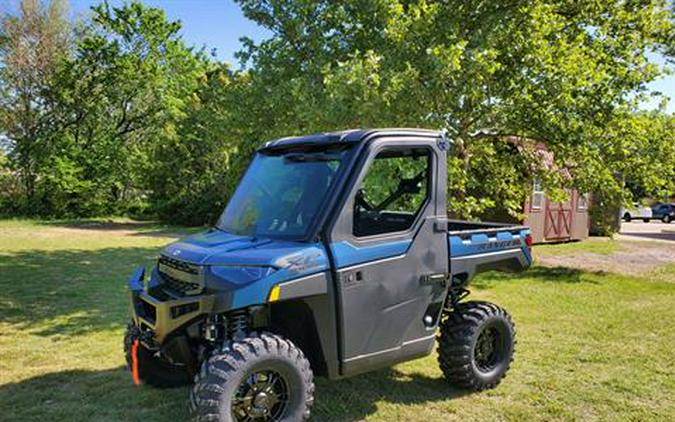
(245, 267)
(215, 247)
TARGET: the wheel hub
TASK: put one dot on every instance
(262, 404)
(260, 400)
(263, 396)
(486, 352)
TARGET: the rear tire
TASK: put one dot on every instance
(627, 217)
(476, 345)
(153, 370)
(666, 219)
(646, 220)
(263, 377)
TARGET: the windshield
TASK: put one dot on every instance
(281, 194)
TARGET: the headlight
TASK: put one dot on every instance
(241, 275)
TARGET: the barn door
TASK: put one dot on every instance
(558, 223)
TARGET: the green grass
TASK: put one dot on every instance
(590, 346)
(598, 245)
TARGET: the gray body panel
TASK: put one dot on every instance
(508, 260)
(311, 285)
(383, 302)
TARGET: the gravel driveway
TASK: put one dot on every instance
(652, 231)
(640, 248)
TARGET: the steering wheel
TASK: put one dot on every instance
(263, 188)
(364, 209)
(267, 223)
(360, 200)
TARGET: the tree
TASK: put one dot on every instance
(124, 91)
(558, 71)
(120, 114)
(195, 171)
(85, 109)
(32, 44)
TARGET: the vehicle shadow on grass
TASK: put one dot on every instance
(539, 273)
(109, 395)
(68, 292)
(353, 399)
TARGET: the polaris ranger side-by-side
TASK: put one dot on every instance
(333, 257)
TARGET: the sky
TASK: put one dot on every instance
(218, 24)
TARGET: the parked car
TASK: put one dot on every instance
(664, 212)
(637, 212)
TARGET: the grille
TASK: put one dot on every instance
(179, 265)
(179, 276)
(149, 311)
(179, 286)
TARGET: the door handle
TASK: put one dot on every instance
(353, 277)
(440, 279)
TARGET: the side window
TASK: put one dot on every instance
(582, 203)
(537, 196)
(393, 192)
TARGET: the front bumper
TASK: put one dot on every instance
(155, 313)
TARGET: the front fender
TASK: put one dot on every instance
(135, 282)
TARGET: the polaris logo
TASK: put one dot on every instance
(500, 244)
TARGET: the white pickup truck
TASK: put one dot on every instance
(637, 212)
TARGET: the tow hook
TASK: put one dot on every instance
(139, 337)
(145, 337)
(134, 363)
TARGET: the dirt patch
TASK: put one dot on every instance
(634, 258)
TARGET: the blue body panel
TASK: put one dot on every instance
(481, 243)
(346, 254)
(135, 282)
(246, 266)
(250, 267)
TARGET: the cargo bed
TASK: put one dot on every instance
(477, 247)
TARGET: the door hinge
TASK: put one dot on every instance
(441, 225)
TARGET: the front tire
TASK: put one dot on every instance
(666, 219)
(262, 377)
(627, 217)
(476, 345)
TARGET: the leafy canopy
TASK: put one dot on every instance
(561, 72)
(118, 115)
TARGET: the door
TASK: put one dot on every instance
(391, 256)
(558, 222)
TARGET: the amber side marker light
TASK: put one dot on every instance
(275, 293)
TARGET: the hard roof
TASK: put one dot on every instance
(348, 136)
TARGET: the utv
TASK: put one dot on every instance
(333, 257)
